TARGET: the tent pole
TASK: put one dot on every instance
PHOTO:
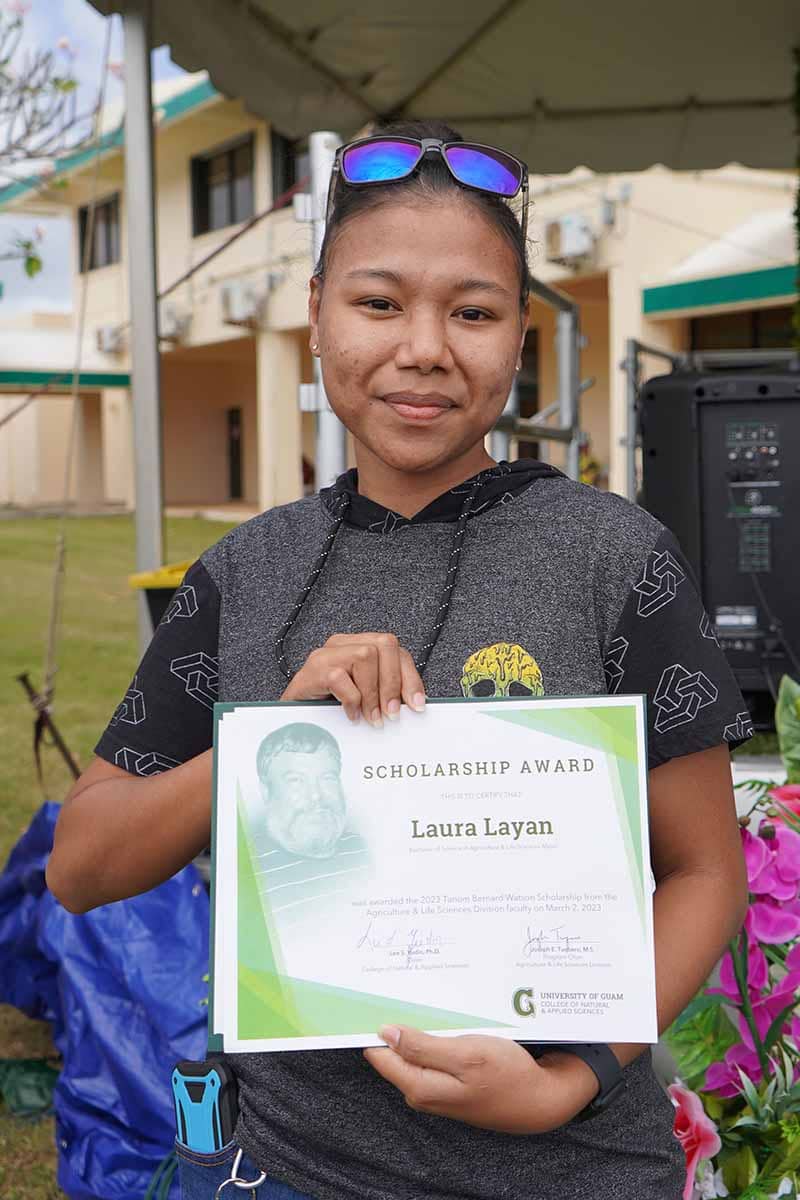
(141, 236)
(331, 445)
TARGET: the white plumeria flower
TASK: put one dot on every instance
(785, 1188)
(719, 1184)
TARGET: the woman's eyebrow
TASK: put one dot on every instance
(463, 285)
(375, 273)
(481, 285)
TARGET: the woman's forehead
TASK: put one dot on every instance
(405, 243)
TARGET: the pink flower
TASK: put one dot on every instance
(773, 863)
(769, 921)
(757, 974)
(788, 796)
(767, 1008)
(724, 1078)
(695, 1131)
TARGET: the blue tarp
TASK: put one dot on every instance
(122, 988)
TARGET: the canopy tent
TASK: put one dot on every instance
(614, 86)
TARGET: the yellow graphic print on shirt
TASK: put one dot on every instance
(502, 670)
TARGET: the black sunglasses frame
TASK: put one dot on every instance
(428, 146)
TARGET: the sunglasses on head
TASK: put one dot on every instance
(381, 160)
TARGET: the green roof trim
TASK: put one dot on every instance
(172, 109)
(63, 379)
(772, 282)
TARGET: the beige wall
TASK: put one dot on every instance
(274, 255)
(666, 217)
(198, 387)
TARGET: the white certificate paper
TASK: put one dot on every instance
(479, 867)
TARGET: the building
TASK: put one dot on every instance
(678, 260)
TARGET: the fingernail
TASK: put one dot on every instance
(390, 1034)
(377, 719)
(355, 716)
(418, 702)
(393, 709)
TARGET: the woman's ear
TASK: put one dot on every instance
(314, 298)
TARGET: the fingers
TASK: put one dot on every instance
(412, 687)
(453, 1055)
(383, 672)
(390, 682)
(365, 676)
(424, 1089)
(342, 688)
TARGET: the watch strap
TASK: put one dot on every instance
(602, 1061)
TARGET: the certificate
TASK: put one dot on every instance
(482, 867)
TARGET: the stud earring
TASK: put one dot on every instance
(315, 348)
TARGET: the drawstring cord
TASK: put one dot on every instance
(447, 592)
(450, 578)
(316, 571)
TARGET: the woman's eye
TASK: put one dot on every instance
(473, 314)
(377, 304)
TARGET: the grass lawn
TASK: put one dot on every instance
(97, 656)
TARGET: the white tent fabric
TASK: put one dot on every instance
(613, 86)
(764, 240)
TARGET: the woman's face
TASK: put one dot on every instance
(419, 330)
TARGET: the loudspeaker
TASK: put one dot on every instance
(721, 469)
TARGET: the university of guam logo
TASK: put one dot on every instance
(501, 670)
(523, 1002)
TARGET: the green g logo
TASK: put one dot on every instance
(523, 1002)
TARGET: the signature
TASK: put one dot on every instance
(414, 940)
(553, 939)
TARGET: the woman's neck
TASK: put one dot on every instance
(408, 492)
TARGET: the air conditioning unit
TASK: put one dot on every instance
(243, 301)
(173, 322)
(568, 239)
(110, 339)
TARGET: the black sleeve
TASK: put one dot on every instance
(664, 646)
(166, 715)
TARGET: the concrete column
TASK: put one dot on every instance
(117, 449)
(278, 374)
(624, 321)
(87, 472)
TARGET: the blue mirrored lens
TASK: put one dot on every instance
(379, 160)
(493, 172)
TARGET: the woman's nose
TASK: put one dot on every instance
(424, 346)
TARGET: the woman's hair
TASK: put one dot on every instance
(431, 182)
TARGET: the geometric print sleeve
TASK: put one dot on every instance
(166, 716)
(664, 646)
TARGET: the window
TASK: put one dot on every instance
(222, 187)
(751, 329)
(105, 234)
(290, 163)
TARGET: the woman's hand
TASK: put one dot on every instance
(369, 673)
(485, 1081)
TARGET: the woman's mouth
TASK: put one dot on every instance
(418, 408)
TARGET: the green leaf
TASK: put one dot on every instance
(700, 1004)
(774, 1031)
(787, 724)
(33, 265)
(740, 1170)
(750, 1091)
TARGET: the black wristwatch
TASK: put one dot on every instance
(603, 1062)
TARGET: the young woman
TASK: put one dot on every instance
(432, 571)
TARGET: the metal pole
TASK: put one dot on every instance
(331, 444)
(568, 350)
(631, 366)
(500, 439)
(140, 226)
